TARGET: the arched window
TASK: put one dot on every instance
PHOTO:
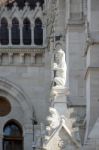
(5, 106)
(12, 136)
(26, 32)
(15, 32)
(4, 33)
(38, 32)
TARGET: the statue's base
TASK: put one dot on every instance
(57, 90)
(59, 99)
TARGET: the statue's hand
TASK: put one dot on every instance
(55, 66)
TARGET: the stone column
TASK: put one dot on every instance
(1, 142)
(0, 58)
(28, 137)
(10, 38)
(45, 1)
(44, 35)
(21, 58)
(76, 9)
(32, 34)
(92, 74)
(21, 35)
(10, 58)
(32, 58)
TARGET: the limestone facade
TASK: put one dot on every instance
(54, 103)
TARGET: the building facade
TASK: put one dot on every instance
(49, 75)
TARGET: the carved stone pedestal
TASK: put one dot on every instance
(59, 99)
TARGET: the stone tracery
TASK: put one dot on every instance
(13, 38)
(21, 15)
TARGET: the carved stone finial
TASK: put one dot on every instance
(26, 4)
(37, 4)
(15, 4)
(3, 8)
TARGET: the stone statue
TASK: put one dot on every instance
(53, 119)
(60, 67)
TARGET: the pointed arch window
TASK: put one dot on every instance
(26, 32)
(4, 33)
(15, 32)
(38, 32)
(12, 136)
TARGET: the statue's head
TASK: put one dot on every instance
(58, 46)
(60, 52)
(60, 56)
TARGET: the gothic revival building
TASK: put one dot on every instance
(49, 70)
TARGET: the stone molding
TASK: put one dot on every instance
(60, 90)
(26, 49)
(23, 54)
(90, 68)
(16, 92)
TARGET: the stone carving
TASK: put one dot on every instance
(60, 67)
(39, 136)
(53, 119)
(61, 144)
(53, 122)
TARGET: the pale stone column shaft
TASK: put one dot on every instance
(32, 34)
(0, 58)
(10, 38)
(44, 34)
(21, 34)
(1, 142)
(22, 58)
(32, 58)
(28, 137)
(10, 58)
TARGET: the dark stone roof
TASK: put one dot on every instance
(21, 3)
